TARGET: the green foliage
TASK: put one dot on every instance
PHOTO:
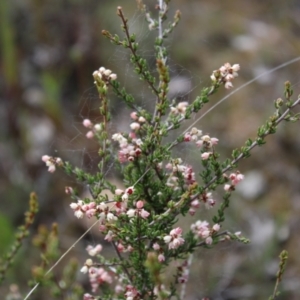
(6, 233)
(23, 231)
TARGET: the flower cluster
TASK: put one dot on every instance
(202, 230)
(161, 256)
(183, 272)
(94, 128)
(97, 276)
(104, 75)
(226, 74)
(52, 162)
(93, 251)
(130, 148)
(139, 211)
(138, 121)
(235, 179)
(180, 108)
(206, 197)
(174, 239)
(176, 167)
(102, 211)
(203, 141)
(192, 135)
(207, 142)
(132, 293)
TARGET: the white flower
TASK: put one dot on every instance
(111, 217)
(84, 269)
(74, 205)
(78, 214)
(130, 213)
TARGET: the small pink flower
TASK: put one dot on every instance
(199, 143)
(227, 187)
(236, 67)
(195, 203)
(102, 228)
(176, 231)
(161, 258)
(174, 239)
(144, 214)
(74, 206)
(214, 141)
(134, 115)
(129, 190)
(113, 76)
(205, 155)
(236, 178)
(87, 123)
(228, 85)
(90, 134)
(140, 204)
(209, 240)
(119, 289)
(109, 236)
(90, 213)
(120, 247)
(216, 227)
(192, 211)
(156, 246)
(51, 168)
(187, 137)
(92, 251)
(45, 158)
(131, 292)
(135, 126)
(88, 297)
(68, 190)
(119, 192)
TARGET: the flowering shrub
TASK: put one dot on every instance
(139, 220)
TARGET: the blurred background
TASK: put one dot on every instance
(48, 51)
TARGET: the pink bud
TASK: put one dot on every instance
(45, 158)
(134, 115)
(144, 214)
(161, 258)
(68, 190)
(140, 204)
(142, 120)
(209, 240)
(216, 227)
(205, 155)
(87, 123)
(192, 211)
(156, 246)
(135, 126)
(227, 187)
(113, 76)
(51, 168)
(90, 134)
(119, 192)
